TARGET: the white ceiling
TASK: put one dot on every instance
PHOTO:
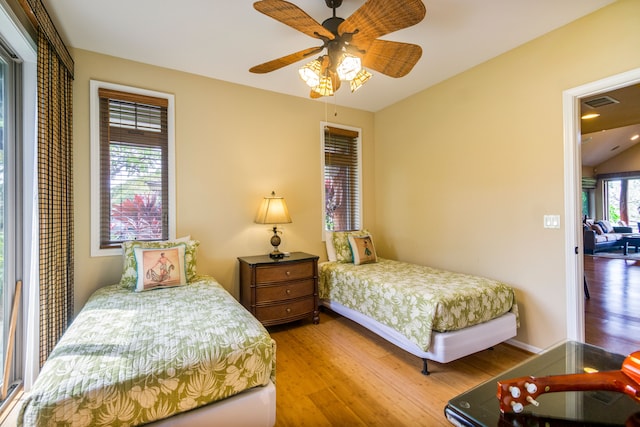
(223, 39)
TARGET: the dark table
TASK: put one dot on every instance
(480, 407)
(631, 240)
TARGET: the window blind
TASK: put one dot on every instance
(133, 168)
(341, 174)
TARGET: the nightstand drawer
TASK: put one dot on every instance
(279, 273)
(279, 312)
(289, 290)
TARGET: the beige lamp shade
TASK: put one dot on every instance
(273, 210)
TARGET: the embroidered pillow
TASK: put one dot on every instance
(130, 267)
(596, 228)
(364, 252)
(160, 268)
(341, 244)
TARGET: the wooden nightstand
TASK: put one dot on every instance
(280, 291)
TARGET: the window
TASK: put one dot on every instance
(17, 175)
(132, 184)
(342, 177)
(622, 200)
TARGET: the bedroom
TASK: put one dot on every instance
(415, 152)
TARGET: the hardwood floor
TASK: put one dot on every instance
(340, 374)
(612, 314)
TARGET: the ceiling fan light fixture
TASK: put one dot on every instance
(310, 73)
(359, 79)
(325, 87)
(349, 67)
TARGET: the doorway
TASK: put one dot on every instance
(573, 200)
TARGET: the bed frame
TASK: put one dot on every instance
(445, 346)
(231, 412)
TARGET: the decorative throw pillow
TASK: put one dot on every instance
(341, 244)
(364, 252)
(160, 268)
(130, 267)
(596, 228)
(605, 226)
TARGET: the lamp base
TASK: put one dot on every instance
(275, 242)
(276, 255)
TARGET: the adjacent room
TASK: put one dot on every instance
(319, 212)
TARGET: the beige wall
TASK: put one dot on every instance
(458, 176)
(234, 145)
(627, 161)
(466, 170)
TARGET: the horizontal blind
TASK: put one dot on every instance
(342, 192)
(133, 168)
(589, 183)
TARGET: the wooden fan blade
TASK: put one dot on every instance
(376, 18)
(291, 15)
(285, 60)
(395, 59)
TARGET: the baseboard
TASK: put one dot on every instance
(524, 346)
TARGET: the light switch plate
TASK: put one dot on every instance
(552, 221)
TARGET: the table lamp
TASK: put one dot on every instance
(273, 210)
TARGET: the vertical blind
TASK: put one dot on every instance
(134, 200)
(341, 175)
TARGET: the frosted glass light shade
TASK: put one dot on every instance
(349, 67)
(310, 73)
(359, 80)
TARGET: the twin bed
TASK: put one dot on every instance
(191, 355)
(434, 314)
(178, 356)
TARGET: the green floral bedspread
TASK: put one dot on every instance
(415, 300)
(134, 357)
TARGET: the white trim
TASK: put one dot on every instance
(15, 35)
(94, 111)
(323, 124)
(27, 338)
(572, 175)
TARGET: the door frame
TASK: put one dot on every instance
(573, 190)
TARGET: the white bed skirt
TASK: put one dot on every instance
(445, 346)
(255, 407)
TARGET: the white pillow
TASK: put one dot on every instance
(331, 250)
(160, 267)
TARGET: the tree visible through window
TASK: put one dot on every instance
(342, 182)
(622, 200)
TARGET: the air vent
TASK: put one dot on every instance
(601, 101)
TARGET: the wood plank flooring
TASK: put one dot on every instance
(339, 374)
(612, 314)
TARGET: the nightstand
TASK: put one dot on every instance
(280, 291)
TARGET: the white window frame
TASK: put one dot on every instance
(94, 107)
(323, 125)
(15, 38)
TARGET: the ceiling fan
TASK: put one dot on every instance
(350, 43)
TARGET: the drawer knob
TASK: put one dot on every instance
(288, 273)
(288, 291)
(288, 310)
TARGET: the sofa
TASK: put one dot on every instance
(601, 235)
